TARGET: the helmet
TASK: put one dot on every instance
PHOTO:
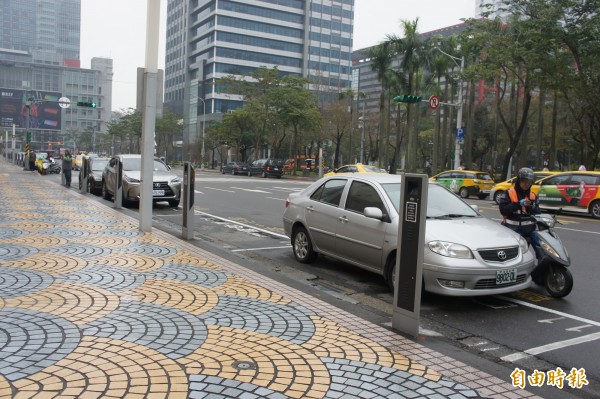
(525, 175)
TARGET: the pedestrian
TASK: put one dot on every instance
(518, 204)
(67, 166)
(32, 160)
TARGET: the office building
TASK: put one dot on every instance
(210, 39)
(40, 60)
(496, 8)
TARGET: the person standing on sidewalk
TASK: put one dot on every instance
(67, 166)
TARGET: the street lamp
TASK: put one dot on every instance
(203, 123)
(459, 137)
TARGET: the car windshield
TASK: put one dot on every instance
(133, 164)
(99, 165)
(441, 203)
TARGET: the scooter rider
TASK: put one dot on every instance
(518, 203)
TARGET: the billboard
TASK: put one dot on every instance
(45, 112)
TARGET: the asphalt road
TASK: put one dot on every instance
(240, 218)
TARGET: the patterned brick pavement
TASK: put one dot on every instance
(90, 307)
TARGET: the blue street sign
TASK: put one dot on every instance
(460, 135)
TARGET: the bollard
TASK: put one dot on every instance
(189, 177)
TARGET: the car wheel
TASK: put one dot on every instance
(595, 209)
(302, 246)
(105, 194)
(497, 196)
(391, 270)
(463, 192)
(174, 203)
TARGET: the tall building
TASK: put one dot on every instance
(210, 39)
(496, 8)
(40, 60)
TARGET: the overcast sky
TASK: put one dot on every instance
(117, 29)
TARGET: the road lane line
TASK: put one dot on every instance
(546, 348)
(250, 190)
(243, 224)
(556, 312)
(259, 249)
(278, 199)
(220, 189)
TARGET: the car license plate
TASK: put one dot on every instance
(158, 193)
(506, 276)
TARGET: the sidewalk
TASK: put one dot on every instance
(91, 307)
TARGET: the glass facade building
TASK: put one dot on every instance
(40, 60)
(210, 39)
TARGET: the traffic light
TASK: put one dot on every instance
(86, 104)
(407, 99)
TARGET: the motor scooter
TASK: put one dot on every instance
(552, 258)
(50, 166)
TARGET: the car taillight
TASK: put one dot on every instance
(287, 202)
(268, 168)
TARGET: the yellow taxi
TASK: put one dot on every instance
(500, 189)
(355, 168)
(575, 191)
(465, 182)
(78, 161)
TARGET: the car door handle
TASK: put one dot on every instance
(310, 208)
(343, 219)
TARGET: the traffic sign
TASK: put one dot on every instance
(460, 135)
(64, 102)
(434, 102)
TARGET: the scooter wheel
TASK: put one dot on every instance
(558, 281)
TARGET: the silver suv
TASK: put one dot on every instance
(166, 185)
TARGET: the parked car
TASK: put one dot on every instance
(499, 189)
(166, 186)
(466, 182)
(354, 218)
(266, 167)
(355, 168)
(95, 168)
(577, 191)
(235, 168)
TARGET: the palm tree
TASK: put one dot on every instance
(381, 61)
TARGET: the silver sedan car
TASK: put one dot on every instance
(354, 218)
(166, 185)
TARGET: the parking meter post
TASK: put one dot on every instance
(189, 176)
(118, 189)
(409, 257)
(322, 163)
(84, 173)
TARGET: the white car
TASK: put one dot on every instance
(354, 218)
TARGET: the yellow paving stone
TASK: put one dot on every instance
(54, 265)
(185, 258)
(238, 286)
(190, 298)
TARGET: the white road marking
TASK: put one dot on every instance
(220, 189)
(198, 192)
(546, 348)
(251, 190)
(556, 312)
(550, 321)
(579, 328)
(259, 249)
(242, 224)
(278, 199)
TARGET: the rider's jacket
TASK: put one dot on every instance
(515, 215)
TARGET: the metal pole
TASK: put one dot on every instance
(27, 133)
(203, 123)
(149, 113)
(362, 134)
(459, 116)
(14, 144)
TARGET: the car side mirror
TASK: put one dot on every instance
(373, 213)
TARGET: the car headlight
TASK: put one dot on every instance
(176, 180)
(130, 179)
(450, 249)
(523, 245)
